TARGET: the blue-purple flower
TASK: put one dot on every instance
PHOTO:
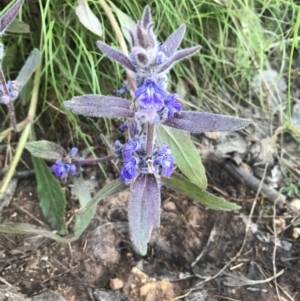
(164, 158)
(129, 170)
(129, 148)
(173, 105)
(151, 95)
(136, 161)
(13, 93)
(62, 168)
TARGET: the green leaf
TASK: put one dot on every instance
(83, 217)
(51, 198)
(87, 212)
(28, 229)
(186, 155)
(124, 20)
(46, 150)
(87, 18)
(81, 190)
(18, 26)
(184, 186)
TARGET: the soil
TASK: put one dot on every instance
(191, 247)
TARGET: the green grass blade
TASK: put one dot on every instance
(51, 198)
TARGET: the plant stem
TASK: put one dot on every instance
(25, 133)
(20, 126)
(150, 139)
(12, 116)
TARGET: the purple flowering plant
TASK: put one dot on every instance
(145, 162)
(157, 135)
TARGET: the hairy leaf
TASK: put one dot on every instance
(146, 19)
(187, 157)
(178, 56)
(144, 210)
(28, 69)
(198, 122)
(116, 55)
(172, 43)
(46, 150)
(88, 18)
(86, 213)
(9, 15)
(99, 106)
(184, 186)
(51, 198)
(142, 37)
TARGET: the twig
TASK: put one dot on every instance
(206, 279)
(271, 194)
(18, 174)
(5, 282)
(274, 251)
(246, 281)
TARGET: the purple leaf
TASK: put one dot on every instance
(9, 16)
(173, 41)
(144, 210)
(116, 55)
(146, 19)
(142, 37)
(151, 35)
(99, 106)
(178, 56)
(198, 122)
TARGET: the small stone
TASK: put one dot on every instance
(116, 284)
(169, 206)
(296, 232)
(295, 204)
(212, 135)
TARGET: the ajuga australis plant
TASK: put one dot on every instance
(143, 160)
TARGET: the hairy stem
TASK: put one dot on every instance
(150, 139)
(12, 116)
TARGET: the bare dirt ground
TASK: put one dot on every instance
(198, 254)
